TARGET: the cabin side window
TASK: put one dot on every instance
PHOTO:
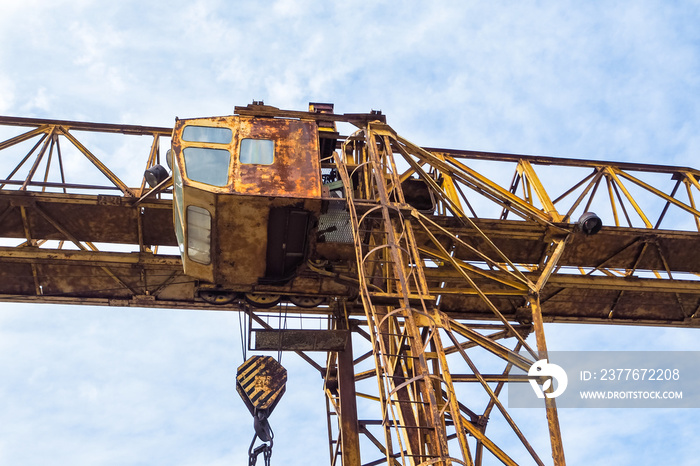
(257, 151)
(198, 234)
(178, 208)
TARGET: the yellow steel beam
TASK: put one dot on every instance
(100, 166)
(24, 136)
(498, 194)
(624, 283)
(657, 192)
(40, 155)
(549, 266)
(550, 403)
(534, 181)
(493, 398)
(691, 199)
(88, 257)
(612, 173)
(493, 347)
(492, 275)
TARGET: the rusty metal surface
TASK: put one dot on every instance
(301, 340)
(103, 218)
(671, 298)
(87, 126)
(93, 278)
(241, 237)
(295, 171)
(560, 161)
(614, 247)
(261, 382)
(257, 110)
(606, 284)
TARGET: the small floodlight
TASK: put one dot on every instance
(590, 223)
(155, 175)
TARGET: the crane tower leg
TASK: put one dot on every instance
(422, 419)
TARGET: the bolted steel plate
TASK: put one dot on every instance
(261, 382)
(301, 340)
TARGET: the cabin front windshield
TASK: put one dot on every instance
(206, 165)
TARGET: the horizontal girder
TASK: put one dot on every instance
(103, 248)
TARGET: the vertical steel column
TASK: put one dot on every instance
(550, 404)
(538, 324)
(349, 426)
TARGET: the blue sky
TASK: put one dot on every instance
(112, 386)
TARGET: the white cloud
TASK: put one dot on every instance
(39, 103)
(6, 94)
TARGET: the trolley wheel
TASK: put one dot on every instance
(217, 296)
(262, 300)
(307, 301)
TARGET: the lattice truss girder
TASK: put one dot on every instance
(399, 250)
(628, 274)
(482, 358)
(75, 232)
(421, 412)
(634, 273)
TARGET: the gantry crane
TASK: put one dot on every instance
(412, 258)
